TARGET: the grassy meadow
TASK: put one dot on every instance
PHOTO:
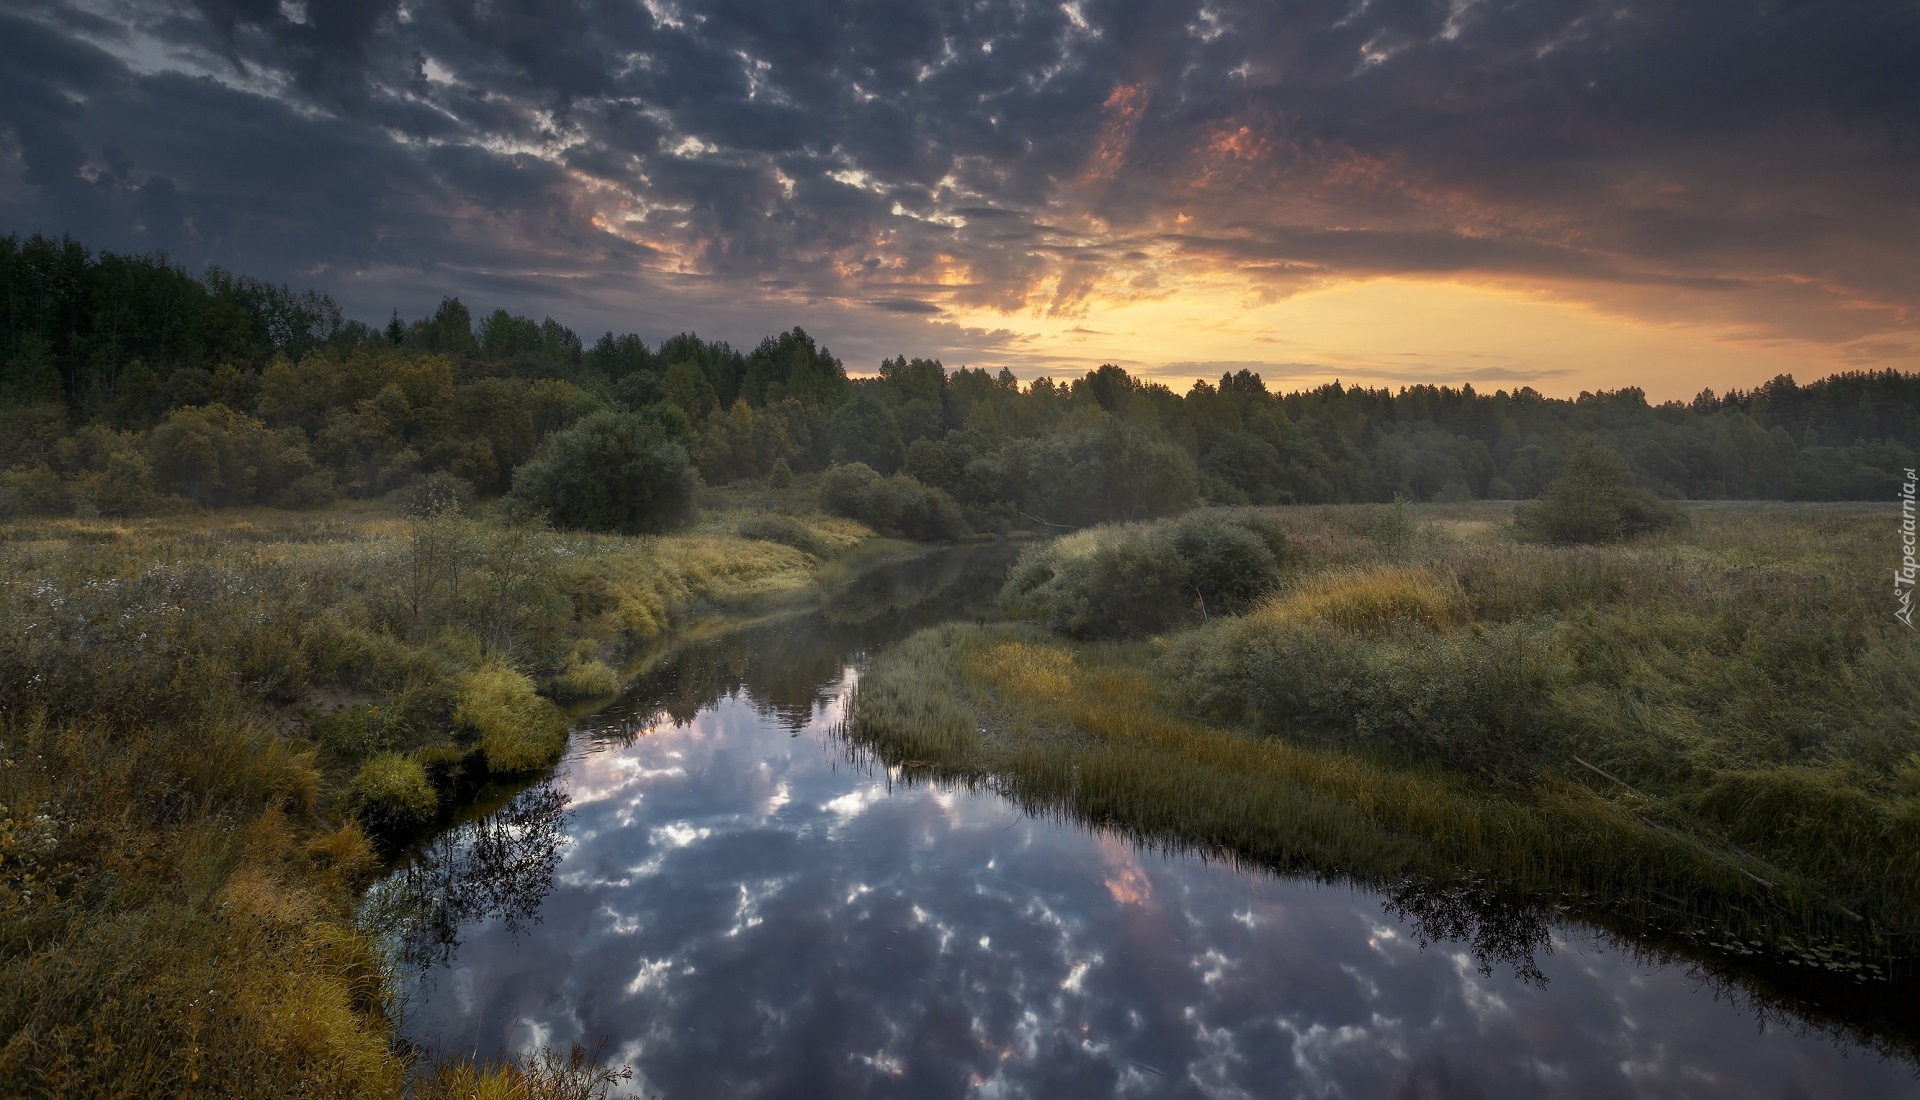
(214, 726)
(1709, 735)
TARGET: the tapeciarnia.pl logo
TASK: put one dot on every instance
(1903, 577)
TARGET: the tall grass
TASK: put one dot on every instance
(208, 724)
(1712, 730)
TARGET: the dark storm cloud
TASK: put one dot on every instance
(1760, 157)
(903, 305)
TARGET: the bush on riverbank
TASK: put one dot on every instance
(518, 730)
(1135, 579)
(391, 795)
(786, 531)
(895, 505)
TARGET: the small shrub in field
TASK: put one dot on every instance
(1115, 582)
(519, 731)
(782, 475)
(435, 494)
(1591, 502)
(391, 796)
(896, 505)
(1391, 528)
(609, 472)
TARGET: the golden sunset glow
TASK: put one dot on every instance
(1373, 196)
(1399, 331)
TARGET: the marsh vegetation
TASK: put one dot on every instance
(1704, 737)
(214, 728)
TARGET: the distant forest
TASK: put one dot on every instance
(130, 386)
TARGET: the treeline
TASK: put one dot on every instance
(128, 385)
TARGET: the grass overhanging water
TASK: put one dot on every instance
(212, 727)
(1704, 739)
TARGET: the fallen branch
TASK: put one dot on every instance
(1604, 774)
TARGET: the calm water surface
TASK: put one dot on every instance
(713, 887)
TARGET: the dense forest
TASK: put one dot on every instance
(132, 386)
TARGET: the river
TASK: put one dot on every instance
(717, 889)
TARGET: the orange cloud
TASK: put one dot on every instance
(1126, 880)
(1123, 108)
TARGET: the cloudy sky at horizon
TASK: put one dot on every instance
(1569, 195)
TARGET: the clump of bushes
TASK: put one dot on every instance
(1137, 579)
(610, 472)
(896, 505)
(1591, 502)
(518, 730)
(391, 797)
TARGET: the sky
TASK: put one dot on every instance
(1670, 194)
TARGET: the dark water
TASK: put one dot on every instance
(715, 889)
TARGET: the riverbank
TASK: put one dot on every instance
(211, 723)
(1705, 738)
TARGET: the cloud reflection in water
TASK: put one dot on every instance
(742, 912)
(739, 911)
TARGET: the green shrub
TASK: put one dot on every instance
(391, 796)
(519, 731)
(1391, 528)
(1591, 502)
(356, 733)
(1115, 582)
(896, 505)
(1231, 559)
(585, 679)
(610, 472)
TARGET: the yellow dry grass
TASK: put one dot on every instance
(176, 887)
(1371, 600)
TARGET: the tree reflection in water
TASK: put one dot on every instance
(499, 866)
(1494, 926)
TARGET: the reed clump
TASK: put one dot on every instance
(518, 731)
(392, 794)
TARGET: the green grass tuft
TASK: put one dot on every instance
(391, 796)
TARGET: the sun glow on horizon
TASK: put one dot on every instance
(1400, 331)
